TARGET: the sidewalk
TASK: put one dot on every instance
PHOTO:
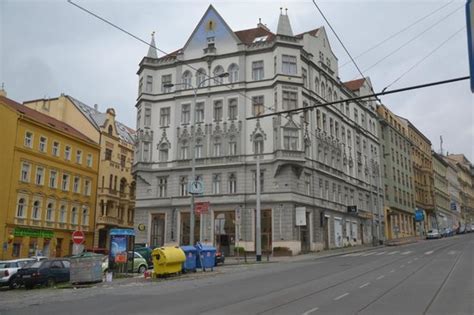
(251, 259)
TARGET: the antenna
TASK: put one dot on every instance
(441, 145)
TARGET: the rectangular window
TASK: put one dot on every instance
(233, 109)
(289, 64)
(108, 154)
(166, 83)
(290, 100)
(218, 110)
(87, 187)
(43, 144)
(25, 172)
(147, 121)
(232, 147)
(257, 70)
(123, 160)
(217, 149)
(149, 84)
(67, 153)
(39, 176)
(78, 156)
(162, 187)
(28, 139)
(65, 182)
(89, 160)
(290, 139)
(216, 184)
(55, 149)
(232, 184)
(304, 75)
(199, 116)
(183, 186)
(185, 113)
(307, 184)
(53, 179)
(76, 185)
(165, 117)
(85, 216)
(257, 105)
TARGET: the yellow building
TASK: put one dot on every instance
(48, 172)
(116, 187)
(423, 181)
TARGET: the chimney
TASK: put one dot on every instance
(96, 107)
(2, 91)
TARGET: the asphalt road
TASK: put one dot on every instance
(429, 277)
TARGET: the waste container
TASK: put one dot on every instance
(86, 268)
(167, 260)
(191, 256)
(206, 257)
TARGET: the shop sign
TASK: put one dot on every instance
(201, 207)
(32, 233)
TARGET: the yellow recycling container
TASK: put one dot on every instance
(167, 260)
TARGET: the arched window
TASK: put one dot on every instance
(187, 79)
(35, 214)
(329, 95)
(111, 130)
(218, 71)
(232, 146)
(198, 149)
(334, 98)
(123, 185)
(85, 216)
(163, 154)
(74, 215)
(184, 150)
(323, 90)
(217, 146)
(316, 85)
(20, 212)
(49, 212)
(258, 144)
(200, 77)
(233, 73)
(62, 214)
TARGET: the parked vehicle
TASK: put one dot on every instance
(44, 272)
(145, 252)
(220, 258)
(447, 232)
(9, 269)
(140, 264)
(433, 234)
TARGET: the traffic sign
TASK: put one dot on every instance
(470, 37)
(78, 237)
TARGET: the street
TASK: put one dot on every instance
(428, 277)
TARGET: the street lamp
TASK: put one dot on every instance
(193, 159)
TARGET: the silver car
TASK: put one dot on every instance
(8, 270)
(432, 234)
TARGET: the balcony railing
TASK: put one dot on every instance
(107, 220)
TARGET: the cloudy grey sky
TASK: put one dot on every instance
(48, 47)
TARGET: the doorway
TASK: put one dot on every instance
(157, 231)
(305, 237)
(59, 246)
(326, 232)
(338, 232)
(103, 238)
(266, 230)
(224, 231)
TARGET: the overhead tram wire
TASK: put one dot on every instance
(413, 87)
(413, 38)
(397, 33)
(425, 57)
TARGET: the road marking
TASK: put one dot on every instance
(380, 277)
(429, 252)
(392, 253)
(341, 296)
(409, 262)
(416, 258)
(452, 252)
(352, 255)
(364, 285)
(392, 271)
(368, 254)
(407, 252)
(311, 311)
(381, 253)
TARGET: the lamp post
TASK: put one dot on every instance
(193, 158)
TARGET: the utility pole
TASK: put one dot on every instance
(258, 235)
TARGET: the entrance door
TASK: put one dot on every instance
(59, 246)
(266, 230)
(157, 233)
(224, 231)
(305, 236)
(46, 243)
(103, 238)
(326, 233)
(338, 232)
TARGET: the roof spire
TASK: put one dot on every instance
(152, 50)
(284, 26)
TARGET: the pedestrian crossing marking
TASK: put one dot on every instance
(368, 254)
(429, 252)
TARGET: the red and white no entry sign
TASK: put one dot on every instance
(78, 237)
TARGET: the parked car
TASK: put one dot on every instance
(145, 252)
(433, 234)
(219, 258)
(9, 269)
(446, 232)
(44, 272)
(140, 264)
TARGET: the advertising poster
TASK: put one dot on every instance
(118, 246)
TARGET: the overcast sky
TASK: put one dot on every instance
(51, 47)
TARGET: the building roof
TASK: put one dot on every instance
(97, 119)
(284, 26)
(354, 85)
(249, 36)
(152, 49)
(44, 119)
(313, 32)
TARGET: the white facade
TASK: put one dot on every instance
(324, 159)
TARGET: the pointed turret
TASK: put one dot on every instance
(284, 26)
(152, 50)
